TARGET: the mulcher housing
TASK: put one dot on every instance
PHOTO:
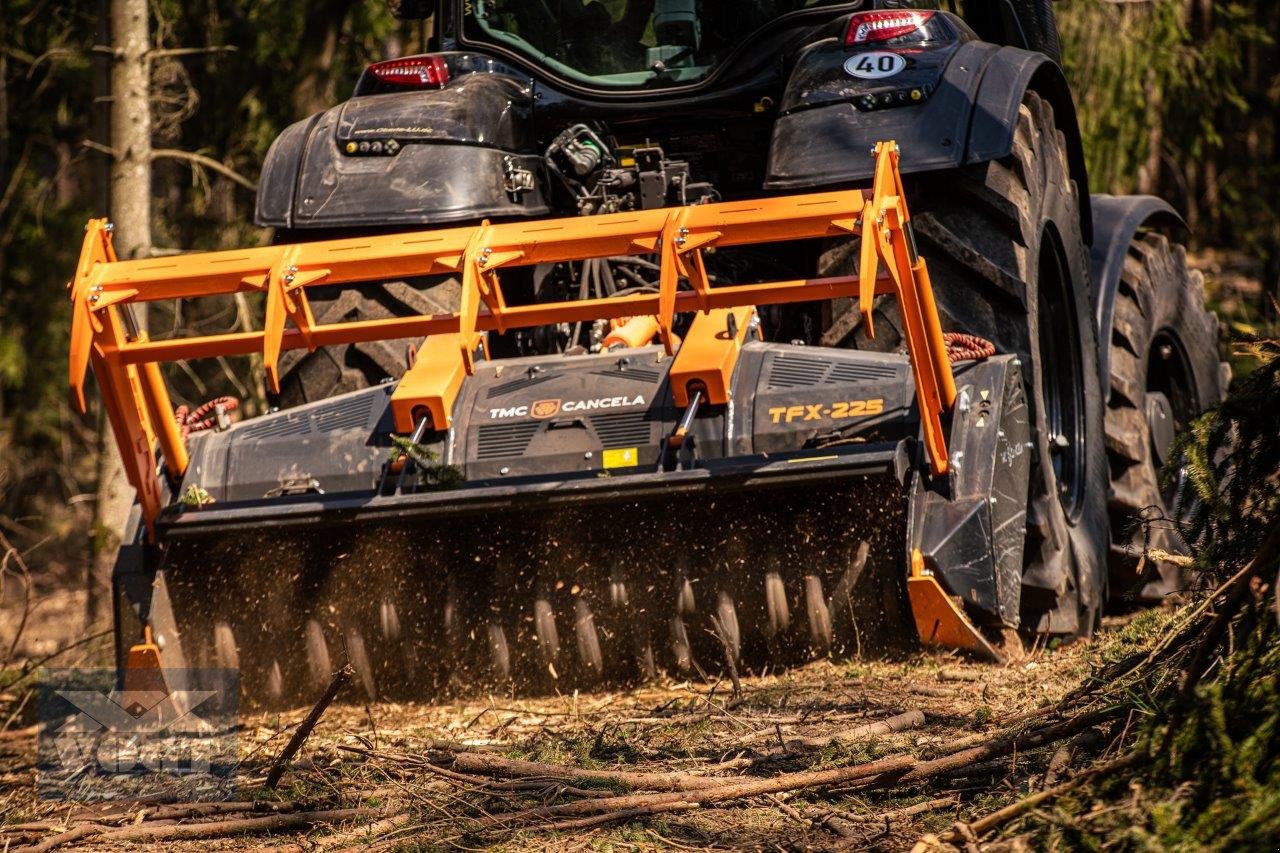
(715, 410)
(519, 479)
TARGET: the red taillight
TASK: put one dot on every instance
(883, 25)
(416, 72)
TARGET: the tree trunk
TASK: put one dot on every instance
(319, 46)
(131, 213)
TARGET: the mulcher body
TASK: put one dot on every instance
(571, 387)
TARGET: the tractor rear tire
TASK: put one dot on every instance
(1164, 371)
(309, 376)
(1008, 262)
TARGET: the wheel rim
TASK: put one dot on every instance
(1171, 402)
(1061, 382)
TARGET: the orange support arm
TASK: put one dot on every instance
(137, 403)
(431, 385)
(709, 354)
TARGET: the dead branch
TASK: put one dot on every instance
(24, 573)
(492, 765)
(375, 830)
(340, 679)
(898, 723)
(60, 839)
(167, 52)
(207, 162)
(190, 157)
(885, 768)
(1002, 816)
(216, 828)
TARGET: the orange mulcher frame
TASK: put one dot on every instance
(126, 362)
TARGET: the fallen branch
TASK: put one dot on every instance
(899, 723)
(217, 828)
(905, 811)
(1002, 816)
(376, 829)
(60, 839)
(890, 767)
(492, 765)
(340, 679)
(891, 771)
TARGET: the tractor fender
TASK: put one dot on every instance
(448, 157)
(279, 178)
(1009, 75)
(1117, 219)
(969, 118)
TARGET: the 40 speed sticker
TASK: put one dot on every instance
(874, 64)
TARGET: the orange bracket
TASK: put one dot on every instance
(286, 299)
(431, 385)
(885, 224)
(680, 256)
(479, 264)
(939, 620)
(709, 354)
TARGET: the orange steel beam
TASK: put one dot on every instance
(137, 402)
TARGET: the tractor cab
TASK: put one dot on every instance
(629, 45)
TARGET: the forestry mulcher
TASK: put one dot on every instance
(601, 343)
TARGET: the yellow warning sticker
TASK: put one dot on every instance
(621, 457)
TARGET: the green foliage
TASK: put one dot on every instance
(1211, 775)
(1233, 464)
(1180, 100)
(44, 195)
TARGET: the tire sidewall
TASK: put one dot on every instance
(1087, 535)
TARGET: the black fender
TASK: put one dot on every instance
(969, 118)
(1116, 221)
(273, 205)
(406, 159)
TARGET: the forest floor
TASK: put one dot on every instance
(431, 775)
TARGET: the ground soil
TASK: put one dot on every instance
(673, 726)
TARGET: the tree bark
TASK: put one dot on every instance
(131, 213)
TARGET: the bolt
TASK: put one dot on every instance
(1017, 362)
(857, 223)
(93, 299)
(1166, 351)
(504, 470)
(109, 227)
(293, 268)
(288, 278)
(587, 455)
(999, 433)
(487, 251)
